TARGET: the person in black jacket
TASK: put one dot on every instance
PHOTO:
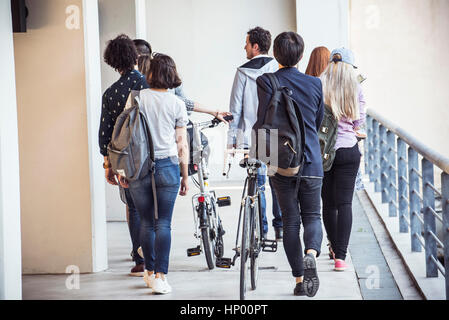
(307, 92)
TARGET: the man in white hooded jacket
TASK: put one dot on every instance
(244, 104)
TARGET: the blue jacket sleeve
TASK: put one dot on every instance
(264, 94)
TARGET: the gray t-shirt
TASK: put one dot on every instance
(164, 112)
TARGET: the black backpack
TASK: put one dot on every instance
(284, 122)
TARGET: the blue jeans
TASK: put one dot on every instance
(308, 210)
(134, 226)
(261, 180)
(155, 235)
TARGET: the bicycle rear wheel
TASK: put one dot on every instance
(244, 249)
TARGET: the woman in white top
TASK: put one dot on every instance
(167, 119)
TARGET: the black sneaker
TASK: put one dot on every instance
(311, 281)
(279, 233)
(299, 289)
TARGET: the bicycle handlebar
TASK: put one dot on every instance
(228, 155)
(211, 123)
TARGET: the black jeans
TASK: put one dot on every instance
(337, 194)
(308, 210)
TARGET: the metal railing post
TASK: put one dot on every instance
(429, 218)
(402, 186)
(392, 186)
(383, 163)
(368, 144)
(413, 179)
(445, 202)
(376, 157)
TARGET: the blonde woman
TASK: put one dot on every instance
(343, 94)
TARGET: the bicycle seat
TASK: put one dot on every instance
(246, 162)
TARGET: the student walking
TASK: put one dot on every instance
(167, 119)
(144, 52)
(121, 55)
(343, 95)
(244, 105)
(305, 206)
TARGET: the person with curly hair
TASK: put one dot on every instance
(121, 55)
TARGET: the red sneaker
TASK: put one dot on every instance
(340, 265)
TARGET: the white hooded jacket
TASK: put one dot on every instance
(244, 102)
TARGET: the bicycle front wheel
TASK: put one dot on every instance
(208, 240)
(255, 245)
(244, 249)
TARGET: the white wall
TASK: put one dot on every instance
(10, 242)
(206, 40)
(322, 23)
(402, 48)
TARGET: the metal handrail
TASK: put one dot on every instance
(392, 163)
(433, 156)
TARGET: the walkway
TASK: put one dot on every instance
(191, 280)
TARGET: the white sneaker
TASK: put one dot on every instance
(161, 286)
(149, 280)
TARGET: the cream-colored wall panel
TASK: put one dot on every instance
(53, 140)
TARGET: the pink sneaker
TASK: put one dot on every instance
(340, 265)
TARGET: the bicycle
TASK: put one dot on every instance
(208, 226)
(252, 238)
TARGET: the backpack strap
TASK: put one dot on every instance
(274, 81)
(136, 101)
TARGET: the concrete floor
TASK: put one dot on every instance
(189, 277)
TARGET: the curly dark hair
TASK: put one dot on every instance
(262, 37)
(121, 53)
(162, 73)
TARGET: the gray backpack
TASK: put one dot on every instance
(131, 150)
(328, 137)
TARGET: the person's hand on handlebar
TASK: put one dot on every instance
(221, 115)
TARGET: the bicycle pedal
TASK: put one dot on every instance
(224, 201)
(225, 263)
(269, 245)
(194, 251)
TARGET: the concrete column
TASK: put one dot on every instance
(141, 21)
(322, 23)
(115, 17)
(93, 102)
(10, 242)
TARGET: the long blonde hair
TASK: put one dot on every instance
(340, 89)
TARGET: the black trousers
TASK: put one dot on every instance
(337, 194)
(305, 209)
